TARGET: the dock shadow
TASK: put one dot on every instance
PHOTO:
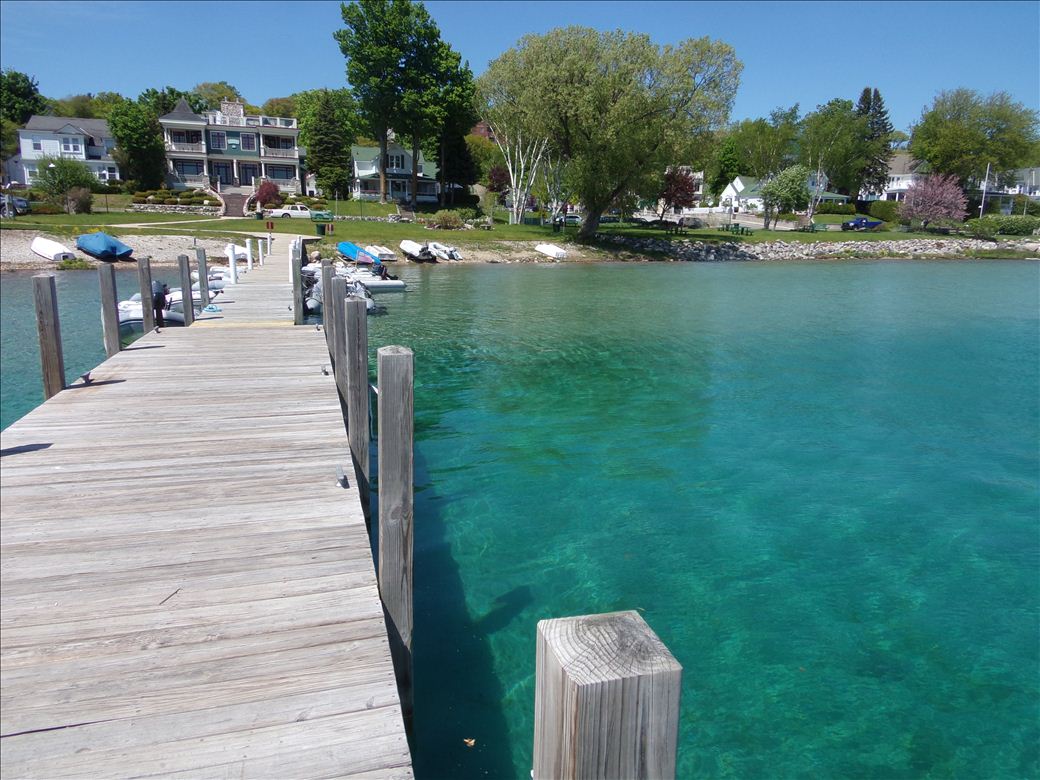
(23, 448)
(144, 346)
(99, 383)
(457, 694)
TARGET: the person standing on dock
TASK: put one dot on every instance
(159, 292)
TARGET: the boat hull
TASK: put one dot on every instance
(51, 250)
(103, 246)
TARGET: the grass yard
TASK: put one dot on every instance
(358, 208)
(99, 220)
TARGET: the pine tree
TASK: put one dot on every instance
(725, 168)
(328, 149)
(878, 150)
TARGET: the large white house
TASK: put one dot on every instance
(903, 170)
(398, 174)
(744, 193)
(87, 140)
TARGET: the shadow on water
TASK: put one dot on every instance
(457, 693)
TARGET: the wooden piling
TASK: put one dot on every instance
(396, 428)
(296, 259)
(187, 299)
(109, 308)
(200, 255)
(326, 294)
(606, 699)
(249, 254)
(144, 276)
(355, 319)
(48, 327)
(335, 305)
(232, 260)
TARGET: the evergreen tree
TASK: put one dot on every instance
(725, 168)
(877, 144)
(328, 145)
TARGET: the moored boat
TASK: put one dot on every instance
(355, 253)
(416, 252)
(50, 249)
(103, 246)
(381, 253)
(444, 252)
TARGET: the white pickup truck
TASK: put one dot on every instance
(298, 211)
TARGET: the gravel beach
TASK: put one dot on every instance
(15, 254)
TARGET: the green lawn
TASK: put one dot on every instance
(357, 208)
(100, 220)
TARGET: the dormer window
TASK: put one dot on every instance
(70, 145)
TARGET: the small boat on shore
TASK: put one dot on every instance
(416, 252)
(381, 253)
(52, 250)
(103, 246)
(355, 253)
(444, 252)
(553, 251)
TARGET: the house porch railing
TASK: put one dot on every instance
(174, 146)
(268, 151)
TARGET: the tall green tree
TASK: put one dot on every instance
(104, 102)
(618, 108)
(212, 93)
(375, 42)
(448, 144)
(766, 146)
(873, 176)
(725, 166)
(963, 131)
(139, 146)
(342, 124)
(9, 143)
(328, 141)
(279, 106)
(786, 192)
(57, 175)
(74, 105)
(20, 97)
(485, 155)
(832, 145)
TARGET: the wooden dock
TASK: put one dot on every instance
(185, 587)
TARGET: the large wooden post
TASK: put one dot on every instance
(249, 254)
(606, 699)
(396, 427)
(358, 433)
(200, 254)
(48, 327)
(326, 295)
(296, 259)
(335, 304)
(144, 276)
(232, 260)
(260, 251)
(109, 308)
(187, 299)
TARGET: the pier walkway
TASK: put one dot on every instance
(185, 588)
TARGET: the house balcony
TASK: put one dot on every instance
(188, 181)
(174, 146)
(251, 121)
(284, 185)
(291, 154)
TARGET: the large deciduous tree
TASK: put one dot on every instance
(163, 101)
(212, 93)
(375, 42)
(832, 146)
(20, 97)
(456, 95)
(139, 146)
(279, 106)
(935, 198)
(57, 176)
(765, 147)
(962, 132)
(618, 108)
(873, 175)
(679, 191)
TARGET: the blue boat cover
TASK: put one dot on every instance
(102, 245)
(355, 253)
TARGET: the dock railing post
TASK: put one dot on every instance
(296, 259)
(200, 254)
(48, 326)
(355, 319)
(187, 299)
(396, 428)
(260, 251)
(144, 276)
(606, 701)
(249, 254)
(334, 306)
(109, 308)
(326, 294)
(232, 265)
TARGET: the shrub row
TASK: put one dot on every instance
(885, 210)
(1004, 225)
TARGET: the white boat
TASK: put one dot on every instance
(420, 253)
(314, 297)
(383, 253)
(553, 251)
(239, 252)
(373, 282)
(52, 250)
(443, 251)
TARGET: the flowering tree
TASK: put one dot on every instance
(787, 191)
(680, 191)
(934, 198)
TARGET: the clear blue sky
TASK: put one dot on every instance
(802, 52)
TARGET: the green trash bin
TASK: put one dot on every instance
(319, 228)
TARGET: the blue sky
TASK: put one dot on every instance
(804, 52)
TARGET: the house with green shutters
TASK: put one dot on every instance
(398, 174)
(229, 150)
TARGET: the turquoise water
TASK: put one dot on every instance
(79, 309)
(818, 483)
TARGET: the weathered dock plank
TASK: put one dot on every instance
(185, 588)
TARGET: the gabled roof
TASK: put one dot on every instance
(94, 128)
(182, 113)
(902, 163)
(752, 186)
(369, 154)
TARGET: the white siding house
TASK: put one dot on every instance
(87, 140)
(398, 174)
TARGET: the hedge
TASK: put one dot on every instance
(1004, 225)
(885, 210)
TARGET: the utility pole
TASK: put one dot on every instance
(985, 181)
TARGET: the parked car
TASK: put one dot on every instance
(21, 206)
(299, 211)
(860, 223)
